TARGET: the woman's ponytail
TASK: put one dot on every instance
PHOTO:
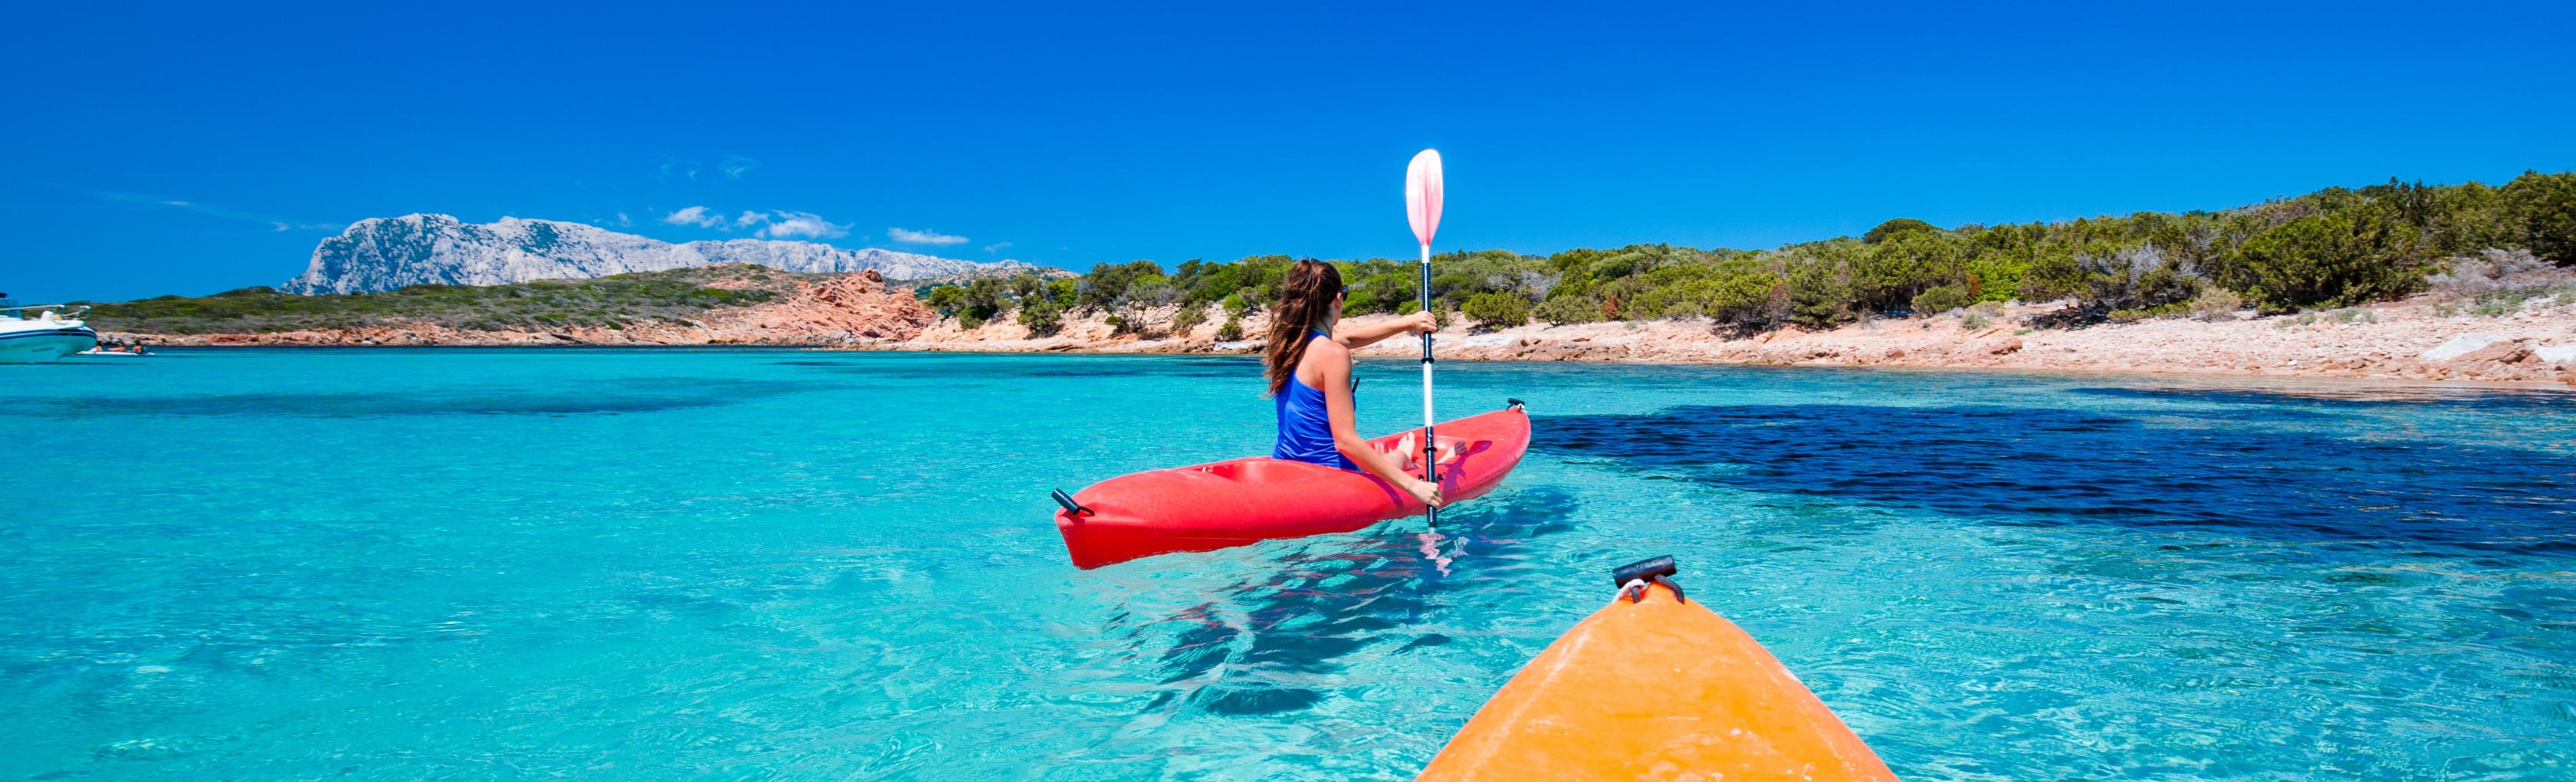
(1305, 297)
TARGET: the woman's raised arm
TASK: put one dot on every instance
(1357, 337)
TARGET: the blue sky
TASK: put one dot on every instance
(193, 150)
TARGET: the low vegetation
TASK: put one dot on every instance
(2328, 250)
(607, 302)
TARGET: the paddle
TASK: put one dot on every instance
(1422, 206)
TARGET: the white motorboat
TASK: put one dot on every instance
(56, 331)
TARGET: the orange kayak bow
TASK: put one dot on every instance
(1655, 687)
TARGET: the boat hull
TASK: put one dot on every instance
(34, 346)
(1655, 689)
(1242, 501)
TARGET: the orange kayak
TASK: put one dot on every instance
(1657, 688)
(1242, 501)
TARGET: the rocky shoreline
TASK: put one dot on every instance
(2415, 340)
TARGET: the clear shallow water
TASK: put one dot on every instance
(652, 564)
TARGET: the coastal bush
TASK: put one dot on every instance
(1042, 316)
(2545, 207)
(985, 298)
(2329, 260)
(1941, 299)
(1106, 286)
(2133, 282)
(2216, 304)
(1894, 227)
(1189, 317)
(1563, 309)
(945, 299)
(1231, 330)
(1497, 309)
(1976, 321)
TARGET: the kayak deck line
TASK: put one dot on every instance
(1654, 686)
(1237, 502)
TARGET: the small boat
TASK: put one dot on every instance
(111, 347)
(1242, 501)
(1655, 687)
(50, 335)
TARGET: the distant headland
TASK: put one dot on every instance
(2400, 280)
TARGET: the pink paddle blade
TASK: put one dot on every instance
(1422, 194)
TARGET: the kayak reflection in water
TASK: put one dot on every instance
(1304, 357)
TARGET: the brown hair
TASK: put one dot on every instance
(1305, 297)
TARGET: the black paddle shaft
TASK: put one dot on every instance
(1430, 466)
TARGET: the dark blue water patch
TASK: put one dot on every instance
(1324, 602)
(2328, 398)
(622, 396)
(2028, 466)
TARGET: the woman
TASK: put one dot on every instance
(1310, 374)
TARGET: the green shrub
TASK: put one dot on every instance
(1894, 227)
(2329, 260)
(1190, 316)
(2545, 206)
(946, 299)
(1942, 299)
(2215, 303)
(2133, 282)
(1497, 310)
(1231, 330)
(1042, 316)
(1563, 309)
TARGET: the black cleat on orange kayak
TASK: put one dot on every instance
(1655, 686)
(1242, 501)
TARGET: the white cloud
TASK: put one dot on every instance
(790, 225)
(781, 224)
(997, 247)
(695, 215)
(734, 167)
(624, 221)
(274, 223)
(922, 237)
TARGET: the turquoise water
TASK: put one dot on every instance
(398, 564)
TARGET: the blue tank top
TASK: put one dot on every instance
(1305, 428)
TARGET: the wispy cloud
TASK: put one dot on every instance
(908, 236)
(781, 224)
(275, 224)
(695, 215)
(792, 225)
(623, 221)
(997, 247)
(731, 167)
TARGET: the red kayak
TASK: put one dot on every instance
(1241, 501)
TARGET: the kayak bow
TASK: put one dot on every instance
(1655, 687)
